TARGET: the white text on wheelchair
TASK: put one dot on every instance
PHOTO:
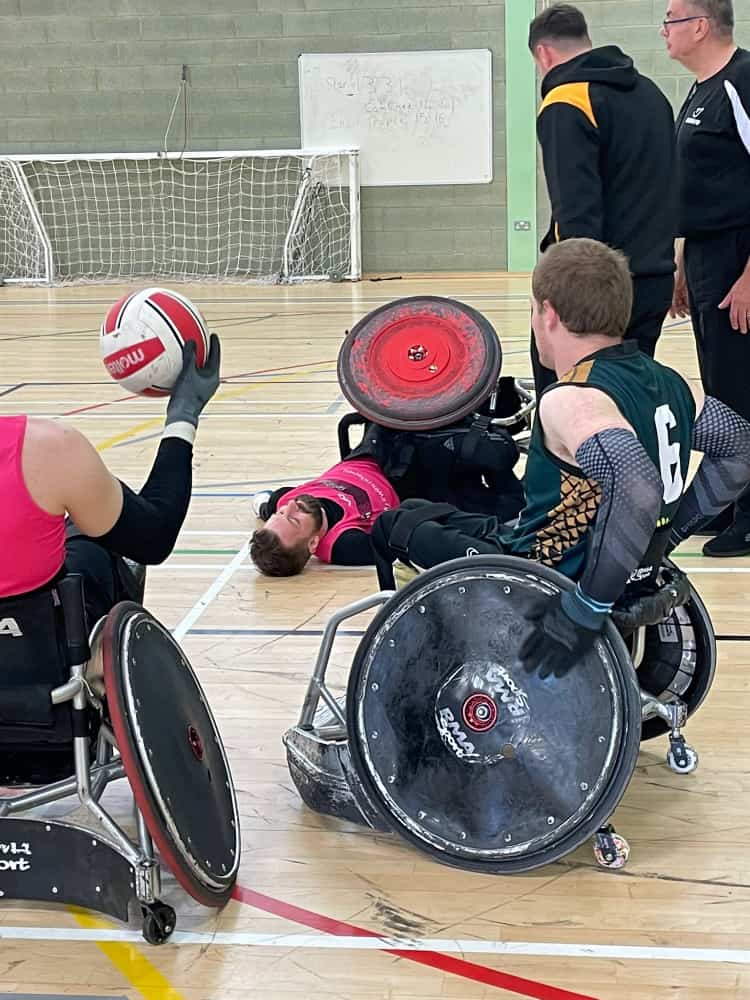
(9, 626)
(14, 864)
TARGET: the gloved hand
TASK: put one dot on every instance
(194, 386)
(564, 629)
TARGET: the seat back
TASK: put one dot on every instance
(35, 735)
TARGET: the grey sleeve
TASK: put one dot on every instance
(724, 438)
(632, 493)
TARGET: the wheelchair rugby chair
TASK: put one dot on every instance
(77, 712)
(442, 738)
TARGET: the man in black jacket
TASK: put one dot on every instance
(607, 139)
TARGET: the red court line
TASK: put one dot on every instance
(444, 963)
(282, 368)
(96, 406)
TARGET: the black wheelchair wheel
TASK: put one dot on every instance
(477, 763)
(679, 660)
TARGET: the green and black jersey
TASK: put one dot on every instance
(561, 503)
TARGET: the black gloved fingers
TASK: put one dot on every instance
(213, 361)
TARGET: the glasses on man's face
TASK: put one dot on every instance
(667, 23)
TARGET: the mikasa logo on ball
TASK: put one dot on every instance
(132, 359)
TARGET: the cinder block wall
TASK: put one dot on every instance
(101, 75)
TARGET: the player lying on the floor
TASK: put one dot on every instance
(333, 515)
(607, 464)
(48, 470)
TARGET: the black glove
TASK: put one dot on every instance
(564, 628)
(194, 386)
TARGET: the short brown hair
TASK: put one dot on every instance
(721, 12)
(274, 559)
(589, 286)
(560, 24)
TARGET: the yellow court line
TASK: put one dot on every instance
(138, 971)
(124, 435)
(148, 425)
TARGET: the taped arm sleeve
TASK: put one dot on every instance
(150, 521)
(724, 438)
(630, 506)
(570, 152)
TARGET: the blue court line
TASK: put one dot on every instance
(351, 632)
(301, 478)
(337, 403)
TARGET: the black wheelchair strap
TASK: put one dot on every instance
(478, 430)
(410, 518)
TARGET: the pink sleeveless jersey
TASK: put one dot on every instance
(32, 542)
(360, 488)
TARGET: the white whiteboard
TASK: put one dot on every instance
(417, 117)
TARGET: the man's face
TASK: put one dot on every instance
(293, 523)
(683, 36)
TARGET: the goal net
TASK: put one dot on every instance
(283, 215)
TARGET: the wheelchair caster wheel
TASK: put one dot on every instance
(158, 921)
(682, 759)
(610, 849)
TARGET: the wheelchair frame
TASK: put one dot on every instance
(330, 740)
(88, 784)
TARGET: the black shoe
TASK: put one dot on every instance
(720, 523)
(735, 541)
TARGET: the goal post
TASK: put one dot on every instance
(248, 215)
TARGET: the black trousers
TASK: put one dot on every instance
(652, 298)
(712, 265)
(424, 466)
(450, 536)
(106, 577)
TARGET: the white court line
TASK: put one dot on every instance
(446, 945)
(200, 606)
(715, 569)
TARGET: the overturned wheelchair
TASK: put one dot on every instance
(78, 712)
(445, 740)
(442, 737)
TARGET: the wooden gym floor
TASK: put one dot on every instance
(674, 923)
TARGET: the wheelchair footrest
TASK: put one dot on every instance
(54, 862)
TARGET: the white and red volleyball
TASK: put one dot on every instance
(142, 337)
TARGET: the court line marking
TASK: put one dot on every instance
(535, 949)
(210, 595)
(224, 395)
(129, 962)
(443, 963)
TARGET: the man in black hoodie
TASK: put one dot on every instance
(607, 139)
